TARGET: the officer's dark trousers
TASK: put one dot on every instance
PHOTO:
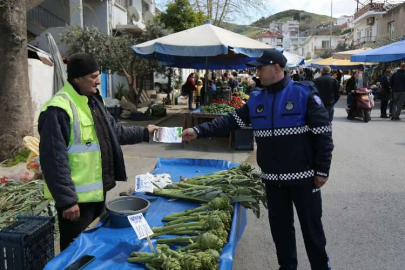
(69, 230)
(281, 216)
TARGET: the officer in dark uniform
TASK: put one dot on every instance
(294, 152)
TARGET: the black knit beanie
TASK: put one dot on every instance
(80, 65)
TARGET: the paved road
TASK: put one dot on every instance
(364, 199)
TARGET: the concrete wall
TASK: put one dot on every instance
(395, 15)
(96, 14)
(42, 42)
(119, 16)
(58, 7)
(41, 85)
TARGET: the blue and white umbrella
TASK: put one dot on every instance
(388, 53)
(200, 46)
(205, 47)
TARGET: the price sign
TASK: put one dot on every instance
(140, 226)
(143, 183)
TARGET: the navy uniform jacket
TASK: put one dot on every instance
(292, 131)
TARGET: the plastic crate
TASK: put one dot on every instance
(244, 139)
(115, 112)
(27, 244)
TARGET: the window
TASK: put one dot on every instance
(358, 34)
(369, 34)
(122, 3)
(145, 7)
(391, 29)
(325, 44)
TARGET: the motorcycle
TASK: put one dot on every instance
(364, 103)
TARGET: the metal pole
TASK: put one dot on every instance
(205, 101)
(331, 26)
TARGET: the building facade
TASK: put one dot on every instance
(274, 39)
(392, 23)
(316, 45)
(366, 23)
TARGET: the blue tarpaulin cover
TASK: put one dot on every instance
(388, 53)
(112, 246)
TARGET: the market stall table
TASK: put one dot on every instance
(112, 246)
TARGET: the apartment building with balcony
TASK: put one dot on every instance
(55, 16)
(366, 22)
(109, 16)
(291, 36)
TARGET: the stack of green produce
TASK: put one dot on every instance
(17, 197)
(168, 259)
(218, 108)
(208, 227)
(239, 184)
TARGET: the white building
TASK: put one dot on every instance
(292, 42)
(316, 45)
(344, 19)
(109, 16)
(366, 24)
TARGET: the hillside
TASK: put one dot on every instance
(306, 18)
(309, 23)
(245, 30)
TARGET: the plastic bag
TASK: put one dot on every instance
(33, 163)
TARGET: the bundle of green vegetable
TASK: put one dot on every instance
(18, 197)
(218, 108)
(168, 259)
(239, 184)
(208, 225)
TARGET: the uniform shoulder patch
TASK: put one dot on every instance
(318, 99)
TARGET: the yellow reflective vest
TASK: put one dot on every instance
(83, 149)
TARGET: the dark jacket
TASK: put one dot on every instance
(351, 85)
(284, 150)
(398, 81)
(54, 129)
(385, 93)
(328, 88)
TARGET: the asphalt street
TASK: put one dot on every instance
(363, 200)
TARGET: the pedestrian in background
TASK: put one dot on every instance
(385, 94)
(189, 88)
(398, 90)
(328, 88)
(198, 93)
(294, 153)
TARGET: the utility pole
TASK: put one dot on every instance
(331, 26)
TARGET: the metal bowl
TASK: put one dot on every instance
(120, 208)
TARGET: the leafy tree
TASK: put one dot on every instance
(114, 52)
(229, 10)
(15, 99)
(180, 15)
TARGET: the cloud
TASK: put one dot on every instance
(339, 7)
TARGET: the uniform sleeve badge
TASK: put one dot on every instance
(260, 108)
(318, 100)
(289, 105)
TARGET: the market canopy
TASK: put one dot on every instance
(388, 53)
(310, 61)
(294, 60)
(340, 64)
(348, 54)
(202, 47)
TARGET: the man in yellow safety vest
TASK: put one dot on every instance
(80, 151)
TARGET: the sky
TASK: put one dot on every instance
(339, 7)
